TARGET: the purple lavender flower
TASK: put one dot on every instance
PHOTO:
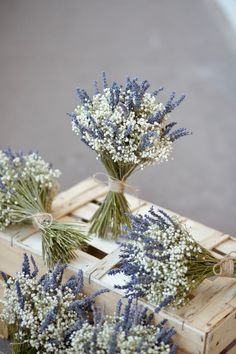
(36, 270)
(50, 317)
(87, 301)
(26, 265)
(21, 299)
(5, 278)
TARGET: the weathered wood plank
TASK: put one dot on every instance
(101, 268)
(201, 232)
(221, 337)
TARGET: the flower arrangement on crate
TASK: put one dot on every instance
(128, 129)
(48, 316)
(28, 186)
(163, 262)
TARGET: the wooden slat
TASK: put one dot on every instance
(12, 257)
(107, 246)
(228, 247)
(222, 336)
(66, 203)
(202, 287)
(196, 311)
(207, 309)
(100, 269)
(215, 240)
(134, 202)
(17, 232)
(201, 232)
(231, 350)
(86, 212)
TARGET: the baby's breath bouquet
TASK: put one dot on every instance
(128, 128)
(28, 186)
(128, 331)
(48, 316)
(163, 262)
(43, 313)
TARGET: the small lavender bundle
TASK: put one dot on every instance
(163, 262)
(128, 129)
(130, 331)
(43, 314)
(28, 186)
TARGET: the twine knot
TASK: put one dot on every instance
(226, 267)
(114, 184)
(42, 221)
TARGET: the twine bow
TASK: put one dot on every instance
(226, 266)
(114, 184)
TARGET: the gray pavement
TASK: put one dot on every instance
(49, 47)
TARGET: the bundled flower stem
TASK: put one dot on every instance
(42, 314)
(28, 186)
(163, 262)
(128, 129)
(114, 211)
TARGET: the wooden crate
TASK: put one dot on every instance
(207, 325)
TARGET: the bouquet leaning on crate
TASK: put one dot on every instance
(162, 261)
(127, 127)
(28, 186)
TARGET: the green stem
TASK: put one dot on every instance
(110, 218)
(59, 240)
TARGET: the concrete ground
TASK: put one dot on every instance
(49, 47)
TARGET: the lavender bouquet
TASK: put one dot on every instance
(130, 331)
(43, 314)
(48, 316)
(163, 262)
(28, 186)
(128, 128)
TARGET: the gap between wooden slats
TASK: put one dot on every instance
(100, 269)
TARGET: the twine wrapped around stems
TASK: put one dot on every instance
(56, 236)
(41, 221)
(114, 184)
(226, 266)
